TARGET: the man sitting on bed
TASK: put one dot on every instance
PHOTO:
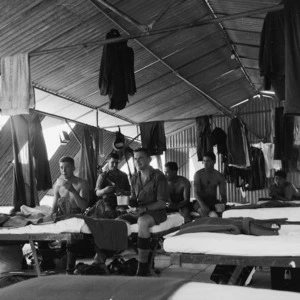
(71, 193)
(71, 196)
(179, 191)
(149, 195)
(282, 189)
(109, 183)
(206, 183)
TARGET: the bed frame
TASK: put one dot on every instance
(31, 238)
(239, 261)
(40, 237)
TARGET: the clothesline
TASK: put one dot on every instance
(160, 31)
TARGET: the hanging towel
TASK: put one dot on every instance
(153, 137)
(16, 94)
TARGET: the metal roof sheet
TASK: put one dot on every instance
(173, 69)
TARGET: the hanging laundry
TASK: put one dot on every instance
(279, 133)
(88, 160)
(153, 137)
(219, 138)
(292, 56)
(272, 53)
(24, 184)
(203, 132)
(270, 162)
(237, 144)
(297, 131)
(116, 75)
(39, 152)
(257, 178)
(16, 94)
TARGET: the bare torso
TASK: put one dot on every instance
(63, 191)
(177, 189)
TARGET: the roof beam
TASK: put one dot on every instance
(211, 100)
(155, 32)
(228, 42)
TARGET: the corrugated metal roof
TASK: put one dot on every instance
(199, 54)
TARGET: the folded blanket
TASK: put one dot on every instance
(247, 226)
(21, 220)
(108, 234)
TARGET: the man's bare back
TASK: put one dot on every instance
(177, 189)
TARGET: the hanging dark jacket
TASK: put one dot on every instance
(116, 75)
(203, 131)
(153, 137)
(237, 144)
(292, 56)
(272, 53)
(257, 178)
(219, 138)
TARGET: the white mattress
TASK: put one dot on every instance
(287, 243)
(173, 220)
(208, 291)
(77, 225)
(73, 225)
(292, 213)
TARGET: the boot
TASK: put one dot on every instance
(143, 269)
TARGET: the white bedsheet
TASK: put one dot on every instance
(292, 213)
(207, 291)
(72, 225)
(287, 243)
(77, 225)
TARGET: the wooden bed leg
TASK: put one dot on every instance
(36, 262)
(235, 275)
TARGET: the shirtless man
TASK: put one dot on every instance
(179, 191)
(282, 189)
(71, 196)
(71, 193)
(206, 182)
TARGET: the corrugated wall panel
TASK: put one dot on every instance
(257, 116)
(178, 151)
